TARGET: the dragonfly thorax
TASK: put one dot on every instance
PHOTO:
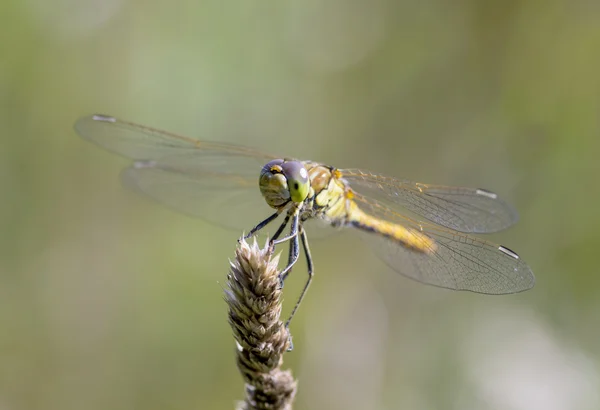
(282, 181)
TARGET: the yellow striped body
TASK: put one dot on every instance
(408, 237)
(331, 199)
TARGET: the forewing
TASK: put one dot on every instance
(470, 210)
(459, 261)
(228, 198)
(140, 142)
(214, 181)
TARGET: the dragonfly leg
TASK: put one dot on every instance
(260, 226)
(294, 249)
(291, 251)
(309, 264)
(281, 227)
(293, 231)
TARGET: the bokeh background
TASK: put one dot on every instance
(108, 301)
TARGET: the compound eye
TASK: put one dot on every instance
(273, 184)
(297, 180)
(273, 167)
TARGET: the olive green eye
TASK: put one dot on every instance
(273, 184)
(282, 180)
(297, 180)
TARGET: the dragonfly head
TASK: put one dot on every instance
(284, 180)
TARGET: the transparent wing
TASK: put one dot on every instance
(228, 198)
(459, 262)
(140, 142)
(214, 181)
(317, 229)
(471, 210)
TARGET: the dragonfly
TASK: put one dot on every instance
(423, 231)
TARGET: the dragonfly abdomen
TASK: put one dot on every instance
(407, 237)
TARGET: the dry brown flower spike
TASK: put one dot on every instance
(254, 297)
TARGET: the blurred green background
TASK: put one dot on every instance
(108, 301)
